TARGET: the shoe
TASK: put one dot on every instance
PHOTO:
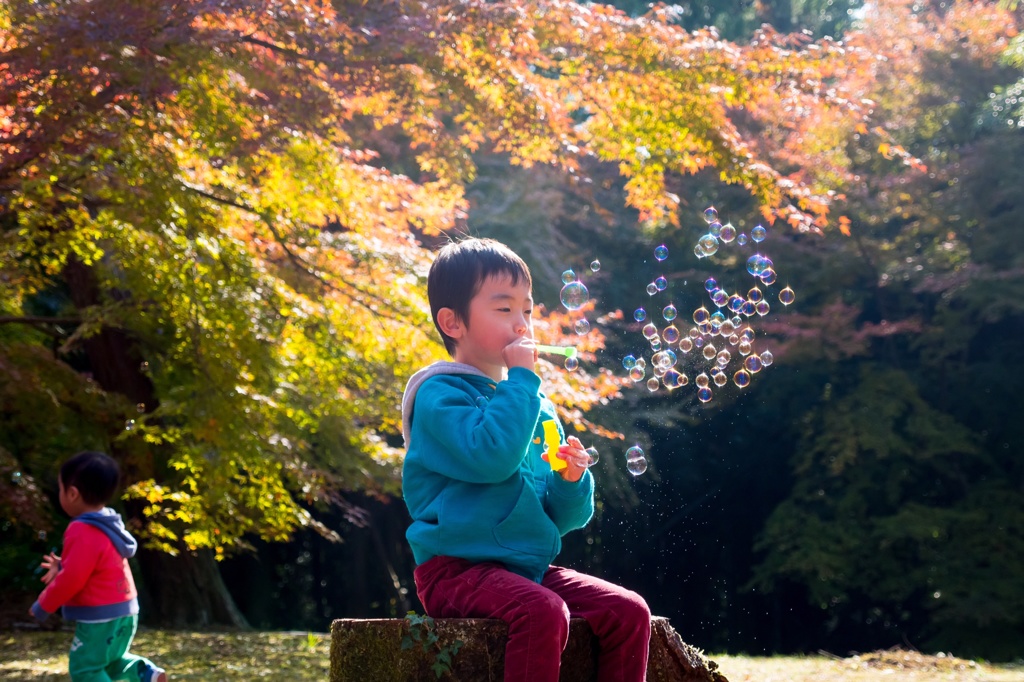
(156, 675)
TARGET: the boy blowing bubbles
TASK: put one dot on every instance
(92, 582)
(488, 510)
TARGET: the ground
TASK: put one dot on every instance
(212, 657)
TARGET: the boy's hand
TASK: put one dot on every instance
(575, 457)
(51, 563)
(520, 353)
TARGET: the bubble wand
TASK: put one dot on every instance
(566, 351)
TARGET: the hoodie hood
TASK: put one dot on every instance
(417, 379)
(109, 521)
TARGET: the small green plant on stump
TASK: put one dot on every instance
(421, 631)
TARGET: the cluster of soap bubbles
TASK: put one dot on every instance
(720, 344)
(575, 295)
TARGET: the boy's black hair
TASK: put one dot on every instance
(460, 269)
(94, 474)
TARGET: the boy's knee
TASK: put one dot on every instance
(636, 611)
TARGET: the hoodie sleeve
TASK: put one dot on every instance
(77, 562)
(480, 443)
(570, 505)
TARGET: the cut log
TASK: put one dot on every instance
(372, 651)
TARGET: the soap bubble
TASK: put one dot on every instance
(652, 288)
(595, 266)
(719, 297)
(758, 233)
(741, 378)
(636, 462)
(572, 364)
(755, 295)
(715, 229)
(140, 408)
(702, 380)
(650, 331)
(639, 314)
(144, 367)
(636, 466)
(723, 357)
(574, 295)
(709, 351)
(736, 303)
(666, 358)
(568, 276)
(744, 348)
(757, 264)
(700, 315)
(767, 358)
(710, 284)
(669, 312)
(661, 252)
(719, 377)
(768, 276)
(704, 394)
(752, 364)
(129, 425)
(787, 296)
(637, 373)
(708, 244)
(741, 238)
(710, 214)
(661, 283)
(594, 455)
(728, 233)
(653, 384)
(686, 345)
(582, 326)
(762, 308)
(629, 362)
(670, 334)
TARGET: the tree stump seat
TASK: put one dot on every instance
(372, 651)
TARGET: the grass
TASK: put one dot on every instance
(213, 657)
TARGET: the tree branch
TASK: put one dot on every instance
(301, 263)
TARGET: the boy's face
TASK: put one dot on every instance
(70, 499)
(499, 314)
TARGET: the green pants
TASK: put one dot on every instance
(99, 652)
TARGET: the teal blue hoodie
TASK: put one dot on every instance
(473, 478)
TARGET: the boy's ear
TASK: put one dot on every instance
(72, 493)
(450, 323)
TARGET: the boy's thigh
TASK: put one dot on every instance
(585, 594)
(456, 588)
(96, 645)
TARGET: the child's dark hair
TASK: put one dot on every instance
(94, 474)
(460, 269)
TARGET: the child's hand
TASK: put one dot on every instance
(575, 457)
(520, 353)
(51, 563)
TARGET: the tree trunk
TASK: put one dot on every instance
(183, 590)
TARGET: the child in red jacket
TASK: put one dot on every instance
(92, 582)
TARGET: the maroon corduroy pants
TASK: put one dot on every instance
(538, 615)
